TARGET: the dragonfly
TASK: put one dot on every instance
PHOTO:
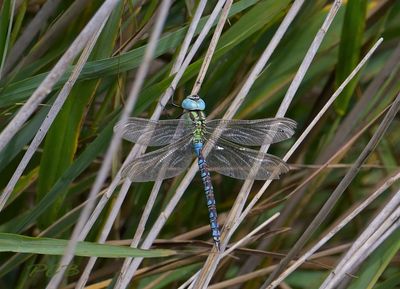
(185, 138)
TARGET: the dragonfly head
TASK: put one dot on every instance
(193, 102)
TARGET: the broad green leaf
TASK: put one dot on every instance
(60, 226)
(24, 244)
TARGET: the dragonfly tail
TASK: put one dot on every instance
(211, 205)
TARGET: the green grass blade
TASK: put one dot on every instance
(5, 15)
(350, 49)
(390, 283)
(48, 246)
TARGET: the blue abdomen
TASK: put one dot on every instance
(197, 146)
(209, 192)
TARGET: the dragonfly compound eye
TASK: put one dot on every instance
(192, 104)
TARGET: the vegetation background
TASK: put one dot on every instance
(49, 196)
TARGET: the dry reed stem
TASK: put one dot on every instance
(239, 243)
(360, 257)
(357, 210)
(242, 278)
(47, 122)
(211, 48)
(340, 152)
(212, 261)
(264, 271)
(189, 36)
(115, 142)
(367, 233)
(55, 74)
(329, 204)
(376, 239)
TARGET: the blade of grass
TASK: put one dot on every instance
(49, 246)
(350, 49)
(6, 21)
(211, 48)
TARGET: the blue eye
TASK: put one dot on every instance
(190, 104)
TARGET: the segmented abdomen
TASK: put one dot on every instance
(209, 191)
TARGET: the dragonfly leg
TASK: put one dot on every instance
(210, 199)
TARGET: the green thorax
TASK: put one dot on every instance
(198, 119)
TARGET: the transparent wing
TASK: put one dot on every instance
(163, 163)
(153, 133)
(235, 161)
(253, 132)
